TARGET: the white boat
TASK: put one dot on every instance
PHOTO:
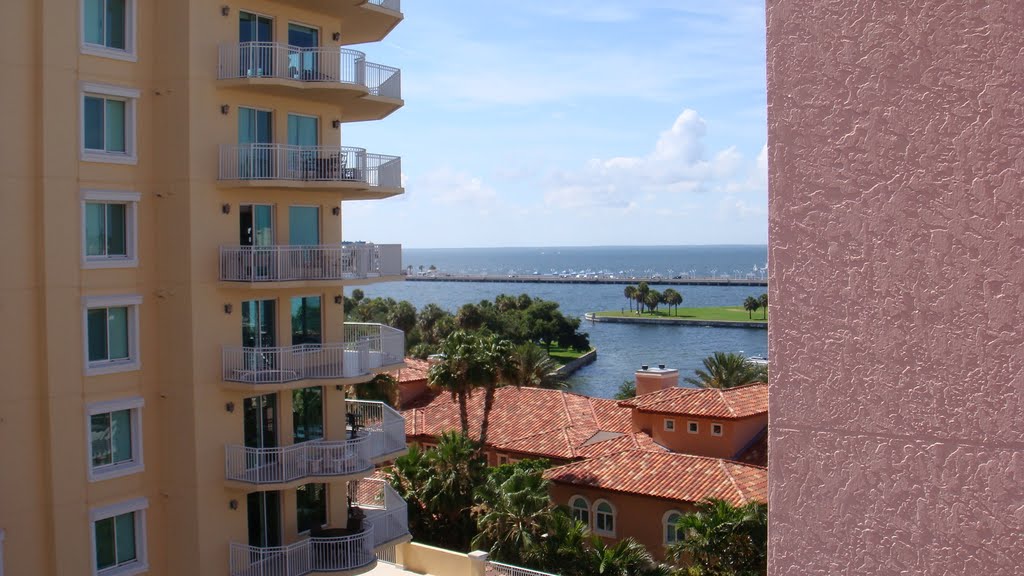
(758, 360)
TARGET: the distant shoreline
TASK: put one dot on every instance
(621, 318)
(568, 279)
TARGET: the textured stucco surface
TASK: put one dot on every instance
(896, 158)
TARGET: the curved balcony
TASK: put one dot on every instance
(354, 172)
(338, 76)
(361, 20)
(262, 265)
(384, 425)
(314, 554)
(298, 463)
(386, 512)
(366, 349)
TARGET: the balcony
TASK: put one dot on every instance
(366, 349)
(352, 171)
(386, 511)
(337, 76)
(345, 262)
(361, 20)
(378, 435)
(314, 554)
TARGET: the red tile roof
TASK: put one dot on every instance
(739, 402)
(667, 475)
(536, 421)
(414, 370)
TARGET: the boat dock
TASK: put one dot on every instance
(560, 279)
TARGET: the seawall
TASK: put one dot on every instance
(676, 321)
(566, 370)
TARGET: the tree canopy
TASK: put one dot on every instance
(727, 370)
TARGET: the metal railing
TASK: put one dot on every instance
(382, 345)
(324, 262)
(308, 164)
(499, 569)
(313, 459)
(384, 424)
(385, 510)
(366, 347)
(319, 64)
(395, 5)
(313, 554)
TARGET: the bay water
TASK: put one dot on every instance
(622, 348)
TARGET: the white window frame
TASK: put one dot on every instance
(137, 463)
(721, 429)
(131, 214)
(665, 526)
(108, 91)
(134, 362)
(669, 424)
(129, 54)
(594, 513)
(138, 507)
(572, 510)
(693, 427)
(502, 459)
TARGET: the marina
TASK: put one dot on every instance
(585, 279)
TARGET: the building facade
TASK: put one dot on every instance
(173, 177)
(896, 195)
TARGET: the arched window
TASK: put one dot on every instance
(604, 518)
(580, 509)
(669, 532)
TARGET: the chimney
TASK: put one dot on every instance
(653, 379)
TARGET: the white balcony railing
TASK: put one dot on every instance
(320, 65)
(395, 5)
(314, 554)
(327, 262)
(382, 345)
(499, 569)
(386, 427)
(313, 459)
(309, 164)
(385, 510)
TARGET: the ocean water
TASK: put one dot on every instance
(622, 348)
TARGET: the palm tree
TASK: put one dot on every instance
(719, 538)
(751, 304)
(461, 370)
(626, 390)
(726, 370)
(652, 299)
(513, 513)
(495, 369)
(627, 557)
(763, 299)
(630, 294)
(641, 295)
(672, 298)
(531, 366)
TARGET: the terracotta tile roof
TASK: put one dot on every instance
(414, 370)
(541, 422)
(667, 475)
(739, 402)
(756, 451)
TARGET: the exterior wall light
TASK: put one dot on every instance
(336, 36)
(225, 208)
(225, 108)
(230, 407)
(225, 10)
(233, 504)
(336, 124)
(338, 299)
(336, 210)
(228, 308)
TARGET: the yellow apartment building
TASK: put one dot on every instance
(176, 360)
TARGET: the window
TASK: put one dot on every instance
(119, 538)
(308, 414)
(115, 438)
(670, 533)
(716, 429)
(670, 425)
(111, 334)
(691, 427)
(108, 229)
(604, 518)
(311, 506)
(108, 28)
(502, 459)
(108, 124)
(580, 509)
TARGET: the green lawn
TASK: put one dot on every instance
(721, 313)
(563, 356)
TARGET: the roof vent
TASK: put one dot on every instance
(643, 366)
(661, 366)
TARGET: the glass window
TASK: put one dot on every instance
(104, 124)
(105, 23)
(306, 320)
(108, 334)
(308, 413)
(716, 429)
(672, 533)
(692, 427)
(111, 438)
(115, 541)
(670, 424)
(580, 510)
(604, 518)
(311, 506)
(106, 230)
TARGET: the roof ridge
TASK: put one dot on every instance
(728, 406)
(732, 480)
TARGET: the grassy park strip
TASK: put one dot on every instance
(715, 314)
(563, 356)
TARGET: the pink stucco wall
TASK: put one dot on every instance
(896, 153)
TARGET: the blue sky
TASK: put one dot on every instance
(572, 123)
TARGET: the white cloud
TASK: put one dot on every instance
(677, 164)
(451, 187)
